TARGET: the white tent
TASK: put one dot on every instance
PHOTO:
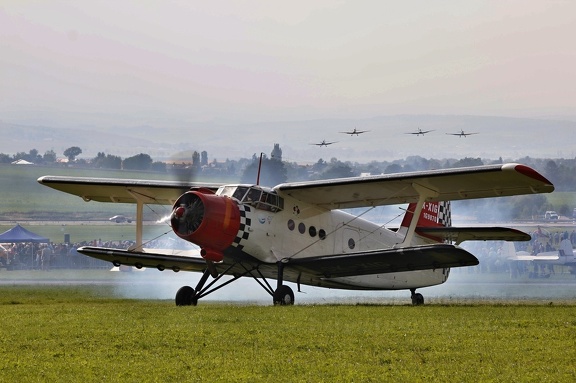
(22, 162)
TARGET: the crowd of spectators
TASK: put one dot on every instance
(46, 256)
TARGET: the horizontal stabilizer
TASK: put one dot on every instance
(535, 258)
(461, 234)
(427, 257)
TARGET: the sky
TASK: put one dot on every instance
(172, 62)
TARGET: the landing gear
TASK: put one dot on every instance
(283, 296)
(417, 298)
(186, 296)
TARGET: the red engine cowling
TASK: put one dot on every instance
(207, 220)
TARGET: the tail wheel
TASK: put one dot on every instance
(186, 296)
(417, 299)
(283, 296)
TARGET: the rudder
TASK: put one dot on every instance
(433, 214)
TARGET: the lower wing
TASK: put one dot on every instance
(141, 259)
(426, 257)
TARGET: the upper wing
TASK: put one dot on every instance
(122, 190)
(443, 185)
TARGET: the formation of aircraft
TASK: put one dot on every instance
(461, 134)
(420, 132)
(355, 132)
(324, 143)
(297, 232)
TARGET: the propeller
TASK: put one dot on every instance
(189, 215)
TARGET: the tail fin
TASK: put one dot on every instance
(433, 214)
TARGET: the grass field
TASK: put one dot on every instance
(71, 334)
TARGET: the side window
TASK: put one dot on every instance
(272, 199)
(253, 195)
(270, 202)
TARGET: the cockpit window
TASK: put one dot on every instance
(227, 191)
(271, 202)
(254, 196)
(240, 193)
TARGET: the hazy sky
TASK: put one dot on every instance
(168, 62)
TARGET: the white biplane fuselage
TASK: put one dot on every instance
(291, 229)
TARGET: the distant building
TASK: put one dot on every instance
(276, 153)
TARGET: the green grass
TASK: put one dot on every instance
(67, 334)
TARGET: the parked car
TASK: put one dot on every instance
(120, 218)
(551, 214)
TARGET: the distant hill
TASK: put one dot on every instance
(506, 137)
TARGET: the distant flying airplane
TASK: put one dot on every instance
(461, 134)
(324, 143)
(355, 132)
(297, 232)
(420, 132)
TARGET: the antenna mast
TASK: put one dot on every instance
(259, 167)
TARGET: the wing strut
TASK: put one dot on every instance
(139, 220)
(139, 223)
(423, 194)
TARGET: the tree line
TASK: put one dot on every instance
(273, 170)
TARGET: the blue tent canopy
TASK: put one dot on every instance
(19, 234)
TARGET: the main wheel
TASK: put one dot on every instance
(283, 296)
(186, 296)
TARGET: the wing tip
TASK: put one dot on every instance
(529, 172)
